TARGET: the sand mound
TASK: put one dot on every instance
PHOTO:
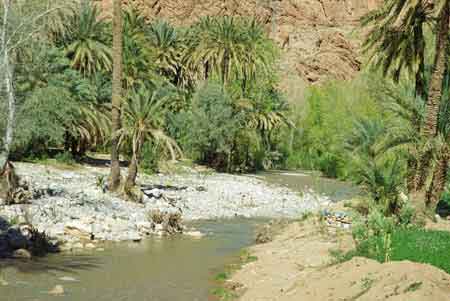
(296, 266)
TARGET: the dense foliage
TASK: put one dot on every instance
(201, 85)
(209, 92)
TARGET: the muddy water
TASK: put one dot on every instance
(168, 269)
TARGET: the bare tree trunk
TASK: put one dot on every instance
(8, 83)
(116, 94)
(435, 90)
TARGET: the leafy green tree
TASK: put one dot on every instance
(209, 130)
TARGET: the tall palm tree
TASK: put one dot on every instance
(143, 119)
(442, 11)
(116, 94)
(230, 48)
(83, 35)
(396, 40)
(165, 43)
(138, 62)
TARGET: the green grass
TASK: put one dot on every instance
(417, 245)
(222, 292)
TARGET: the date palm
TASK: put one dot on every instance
(166, 46)
(396, 40)
(442, 13)
(116, 101)
(229, 48)
(143, 119)
(138, 60)
(84, 38)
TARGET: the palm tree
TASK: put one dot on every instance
(84, 38)
(90, 127)
(138, 62)
(143, 119)
(442, 11)
(166, 47)
(229, 48)
(116, 94)
(396, 39)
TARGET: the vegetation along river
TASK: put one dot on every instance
(159, 269)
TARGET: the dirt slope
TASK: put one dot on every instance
(317, 36)
(295, 266)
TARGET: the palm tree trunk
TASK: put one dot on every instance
(116, 94)
(437, 77)
(411, 174)
(437, 186)
(422, 171)
(420, 74)
(133, 167)
(132, 172)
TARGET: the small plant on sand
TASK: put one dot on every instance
(65, 158)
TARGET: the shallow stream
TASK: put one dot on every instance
(157, 269)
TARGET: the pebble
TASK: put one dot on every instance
(72, 207)
(194, 234)
(68, 279)
(58, 290)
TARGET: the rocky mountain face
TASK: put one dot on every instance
(319, 38)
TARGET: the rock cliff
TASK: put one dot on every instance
(319, 37)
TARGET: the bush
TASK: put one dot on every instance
(151, 154)
(65, 158)
(208, 132)
(326, 121)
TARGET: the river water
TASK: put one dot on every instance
(157, 269)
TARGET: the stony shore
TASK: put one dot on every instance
(72, 208)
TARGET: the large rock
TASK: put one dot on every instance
(21, 254)
(79, 229)
(16, 240)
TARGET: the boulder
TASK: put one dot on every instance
(16, 240)
(21, 254)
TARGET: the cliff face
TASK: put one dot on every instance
(317, 36)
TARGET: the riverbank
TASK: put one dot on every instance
(72, 208)
(298, 265)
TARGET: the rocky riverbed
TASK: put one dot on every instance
(72, 208)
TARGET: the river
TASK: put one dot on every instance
(157, 269)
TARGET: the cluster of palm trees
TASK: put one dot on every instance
(155, 68)
(404, 35)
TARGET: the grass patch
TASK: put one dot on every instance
(417, 245)
(226, 290)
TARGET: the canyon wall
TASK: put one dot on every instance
(319, 38)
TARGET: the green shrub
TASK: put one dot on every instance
(151, 154)
(65, 158)
(325, 122)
